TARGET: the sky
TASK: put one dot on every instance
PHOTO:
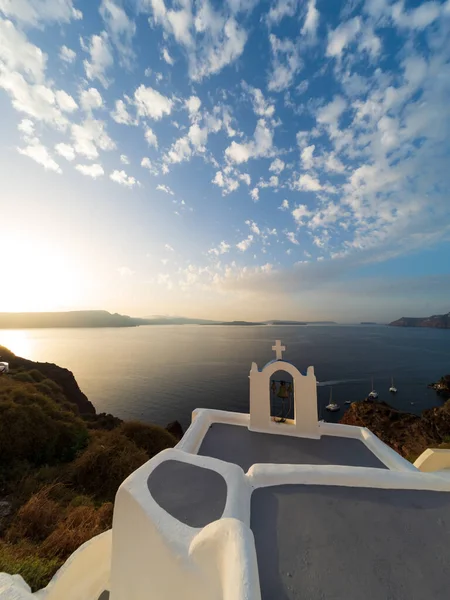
(226, 159)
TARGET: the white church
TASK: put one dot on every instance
(265, 506)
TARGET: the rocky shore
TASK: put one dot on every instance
(442, 387)
(406, 433)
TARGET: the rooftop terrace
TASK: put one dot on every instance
(321, 541)
(236, 444)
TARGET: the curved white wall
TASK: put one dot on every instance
(154, 551)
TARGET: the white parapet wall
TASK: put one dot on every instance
(336, 475)
(433, 459)
(203, 418)
(155, 555)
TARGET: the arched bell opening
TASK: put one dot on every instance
(282, 407)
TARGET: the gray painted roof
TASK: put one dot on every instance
(236, 444)
(328, 542)
(193, 495)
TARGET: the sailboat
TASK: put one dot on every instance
(373, 394)
(392, 389)
(332, 406)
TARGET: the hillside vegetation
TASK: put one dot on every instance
(59, 470)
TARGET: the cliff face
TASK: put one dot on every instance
(63, 377)
(408, 434)
(437, 321)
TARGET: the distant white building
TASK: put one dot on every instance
(4, 368)
(261, 506)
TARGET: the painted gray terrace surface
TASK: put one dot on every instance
(317, 542)
(236, 444)
(193, 495)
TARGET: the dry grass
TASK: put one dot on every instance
(79, 525)
(44, 533)
(37, 518)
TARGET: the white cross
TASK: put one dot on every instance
(279, 349)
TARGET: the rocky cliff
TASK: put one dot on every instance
(63, 377)
(437, 321)
(408, 434)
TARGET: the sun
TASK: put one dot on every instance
(35, 276)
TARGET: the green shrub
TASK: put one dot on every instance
(106, 462)
(104, 421)
(52, 390)
(150, 438)
(23, 376)
(34, 428)
(25, 560)
(11, 473)
(36, 375)
(81, 500)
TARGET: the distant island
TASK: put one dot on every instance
(368, 323)
(76, 318)
(436, 321)
(160, 320)
(103, 318)
(286, 323)
(240, 323)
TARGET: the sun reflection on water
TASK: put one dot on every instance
(17, 341)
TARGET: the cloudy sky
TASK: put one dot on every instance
(226, 159)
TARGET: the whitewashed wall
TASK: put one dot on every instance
(305, 422)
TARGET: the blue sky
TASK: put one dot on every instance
(240, 159)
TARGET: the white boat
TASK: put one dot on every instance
(332, 406)
(392, 389)
(373, 394)
(4, 368)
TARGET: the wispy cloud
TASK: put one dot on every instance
(94, 170)
(165, 188)
(100, 58)
(122, 178)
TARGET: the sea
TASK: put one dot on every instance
(162, 373)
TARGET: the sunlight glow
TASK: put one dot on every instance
(19, 342)
(35, 276)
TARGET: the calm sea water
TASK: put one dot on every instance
(161, 373)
